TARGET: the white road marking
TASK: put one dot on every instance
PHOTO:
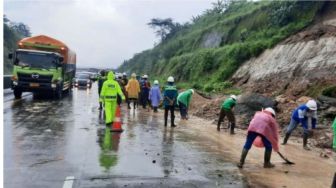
(68, 181)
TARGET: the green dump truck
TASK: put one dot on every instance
(42, 65)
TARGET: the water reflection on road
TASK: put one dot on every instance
(47, 140)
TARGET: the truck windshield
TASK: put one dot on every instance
(83, 76)
(35, 60)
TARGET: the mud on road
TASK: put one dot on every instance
(46, 141)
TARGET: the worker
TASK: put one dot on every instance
(303, 115)
(101, 80)
(155, 95)
(183, 101)
(119, 79)
(109, 93)
(133, 90)
(124, 83)
(334, 128)
(145, 87)
(169, 100)
(124, 78)
(139, 78)
(264, 126)
(227, 110)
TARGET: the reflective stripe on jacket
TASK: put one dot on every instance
(111, 89)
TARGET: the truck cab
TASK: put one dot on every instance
(36, 71)
(42, 64)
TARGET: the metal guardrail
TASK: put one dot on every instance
(7, 81)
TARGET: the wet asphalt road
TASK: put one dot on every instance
(46, 140)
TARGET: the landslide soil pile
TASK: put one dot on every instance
(312, 33)
(205, 107)
(248, 104)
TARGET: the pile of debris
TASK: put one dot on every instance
(249, 103)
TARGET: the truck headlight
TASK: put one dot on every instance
(53, 85)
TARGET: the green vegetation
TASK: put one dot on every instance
(330, 91)
(12, 34)
(204, 54)
(10, 39)
(321, 89)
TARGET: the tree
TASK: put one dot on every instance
(5, 19)
(22, 29)
(165, 27)
(218, 7)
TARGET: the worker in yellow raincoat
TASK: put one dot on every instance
(109, 92)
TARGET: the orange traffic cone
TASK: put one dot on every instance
(116, 126)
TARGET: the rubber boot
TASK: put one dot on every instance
(242, 158)
(100, 105)
(305, 141)
(286, 139)
(172, 124)
(218, 126)
(267, 159)
(128, 105)
(232, 126)
(165, 121)
(134, 105)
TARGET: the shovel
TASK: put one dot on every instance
(285, 159)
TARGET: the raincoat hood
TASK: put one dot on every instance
(110, 76)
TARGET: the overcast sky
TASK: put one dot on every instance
(103, 33)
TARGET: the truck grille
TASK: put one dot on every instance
(33, 78)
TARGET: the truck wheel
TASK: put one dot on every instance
(17, 93)
(59, 93)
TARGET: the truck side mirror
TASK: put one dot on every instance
(61, 59)
(10, 56)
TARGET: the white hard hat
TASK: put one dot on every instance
(311, 104)
(156, 82)
(233, 97)
(170, 79)
(145, 76)
(192, 90)
(124, 74)
(269, 109)
(133, 75)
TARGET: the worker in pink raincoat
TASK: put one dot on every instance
(262, 132)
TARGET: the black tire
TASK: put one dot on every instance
(59, 92)
(17, 93)
(67, 91)
(36, 95)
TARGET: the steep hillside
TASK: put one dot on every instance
(304, 64)
(13, 32)
(206, 53)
